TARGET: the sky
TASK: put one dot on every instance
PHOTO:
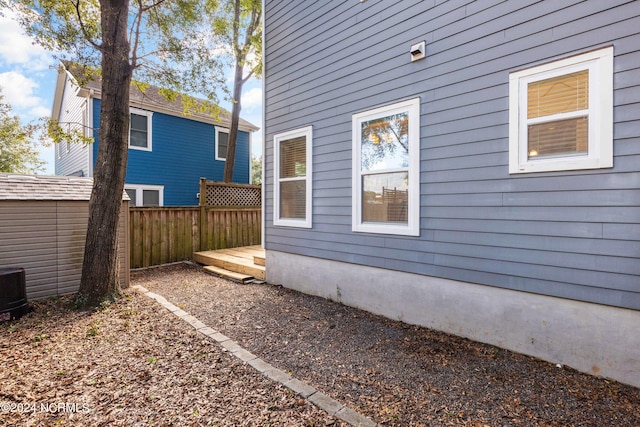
(28, 76)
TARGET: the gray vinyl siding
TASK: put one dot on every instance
(568, 234)
(76, 161)
(28, 235)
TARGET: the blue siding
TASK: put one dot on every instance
(182, 153)
(567, 234)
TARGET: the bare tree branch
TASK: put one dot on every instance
(151, 6)
(85, 33)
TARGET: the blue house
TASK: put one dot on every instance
(469, 166)
(168, 151)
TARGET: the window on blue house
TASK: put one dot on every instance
(386, 163)
(145, 195)
(140, 129)
(222, 141)
(561, 114)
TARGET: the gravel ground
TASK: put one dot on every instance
(394, 373)
(132, 363)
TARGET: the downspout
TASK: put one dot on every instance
(264, 133)
(90, 124)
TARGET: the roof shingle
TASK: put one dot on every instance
(41, 187)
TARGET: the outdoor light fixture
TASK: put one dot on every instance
(418, 51)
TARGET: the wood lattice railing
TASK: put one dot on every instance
(223, 194)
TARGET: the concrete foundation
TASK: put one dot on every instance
(592, 338)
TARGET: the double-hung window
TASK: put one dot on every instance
(222, 142)
(561, 114)
(386, 169)
(140, 129)
(145, 195)
(292, 178)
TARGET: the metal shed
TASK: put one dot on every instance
(43, 225)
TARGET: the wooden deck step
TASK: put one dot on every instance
(232, 260)
(259, 260)
(228, 274)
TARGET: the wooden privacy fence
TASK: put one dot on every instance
(161, 235)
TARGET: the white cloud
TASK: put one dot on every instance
(47, 154)
(252, 98)
(16, 48)
(40, 111)
(18, 91)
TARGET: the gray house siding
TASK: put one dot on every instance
(566, 234)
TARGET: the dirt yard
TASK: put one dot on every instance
(133, 363)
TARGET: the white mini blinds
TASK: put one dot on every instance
(292, 178)
(561, 114)
(386, 162)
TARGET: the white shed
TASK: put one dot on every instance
(43, 225)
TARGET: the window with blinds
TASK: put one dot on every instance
(293, 172)
(292, 205)
(561, 114)
(558, 116)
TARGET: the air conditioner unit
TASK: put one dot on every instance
(13, 294)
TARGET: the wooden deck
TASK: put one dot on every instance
(242, 264)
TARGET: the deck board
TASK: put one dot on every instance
(237, 260)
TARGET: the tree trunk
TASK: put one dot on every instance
(99, 279)
(235, 119)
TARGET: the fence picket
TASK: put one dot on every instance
(161, 235)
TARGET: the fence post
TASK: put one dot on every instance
(203, 229)
(203, 192)
(203, 215)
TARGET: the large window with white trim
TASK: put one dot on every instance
(145, 195)
(140, 129)
(561, 114)
(386, 169)
(292, 178)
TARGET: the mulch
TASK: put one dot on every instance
(132, 363)
(395, 373)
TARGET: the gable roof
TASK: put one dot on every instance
(42, 187)
(149, 99)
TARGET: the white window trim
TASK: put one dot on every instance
(140, 187)
(307, 132)
(412, 228)
(223, 130)
(149, 115)
(600, 151)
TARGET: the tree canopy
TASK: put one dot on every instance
(18, 151)
(228, 36)
(162, 42)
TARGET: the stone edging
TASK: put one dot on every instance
(319, 399)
